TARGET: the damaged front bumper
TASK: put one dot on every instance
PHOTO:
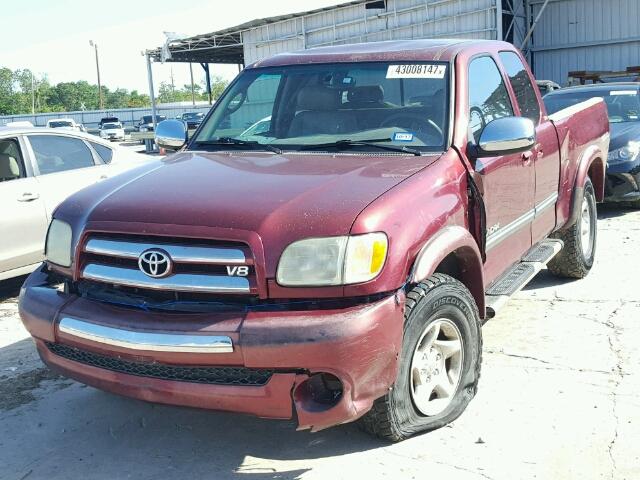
(623, 182)
(328, 365)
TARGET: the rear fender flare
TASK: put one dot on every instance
(593, 167)
(458, 241)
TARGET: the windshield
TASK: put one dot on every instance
(192, 116)
(59, 124)
(623, 105)
(298, 106)
(111, 126)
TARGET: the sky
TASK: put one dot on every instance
(52, 36)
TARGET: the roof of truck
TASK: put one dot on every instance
(392, 50)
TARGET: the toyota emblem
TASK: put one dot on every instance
(155, 263)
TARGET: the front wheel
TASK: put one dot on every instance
(576, 257)
(439, 363)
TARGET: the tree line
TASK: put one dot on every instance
(21, 91)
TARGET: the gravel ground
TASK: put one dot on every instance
(557, 400)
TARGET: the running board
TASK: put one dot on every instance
(514, 279)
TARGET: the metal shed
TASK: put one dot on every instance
(575, 35)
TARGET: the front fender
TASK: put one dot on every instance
(457, 241)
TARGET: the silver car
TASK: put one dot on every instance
(39, 168)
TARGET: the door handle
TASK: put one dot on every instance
(104, 176)
(28, 197)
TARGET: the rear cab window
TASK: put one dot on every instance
(11, 162)
(488, 95)
(522, 86)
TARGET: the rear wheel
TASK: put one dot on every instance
(439, 363)
(576, 257)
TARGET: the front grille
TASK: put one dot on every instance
(196, 266)
(206, 375)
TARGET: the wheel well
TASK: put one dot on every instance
(450, 265)
(464, 266)
(596, 174)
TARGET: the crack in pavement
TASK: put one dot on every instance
(557, 366)
(468, 470)
(438, 462)
(619, 375)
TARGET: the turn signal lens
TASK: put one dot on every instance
(365, 257)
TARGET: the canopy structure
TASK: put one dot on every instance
(226, 46)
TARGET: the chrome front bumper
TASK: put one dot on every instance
(146, 341)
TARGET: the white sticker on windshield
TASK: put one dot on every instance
(402, 137)
(622, 92)
(416, 70)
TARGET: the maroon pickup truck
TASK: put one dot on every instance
(329, 242)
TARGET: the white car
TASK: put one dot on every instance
(65, 123)
(112, 131)
(39, 168)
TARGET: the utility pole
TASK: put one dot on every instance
(100, 101)
(152, 95)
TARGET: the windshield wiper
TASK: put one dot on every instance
(370, 142)
(237, 141)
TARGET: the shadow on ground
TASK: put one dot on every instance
(11, 288)
(612, 210)
(47, 422)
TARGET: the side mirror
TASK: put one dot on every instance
(506, 135)
(171, 134)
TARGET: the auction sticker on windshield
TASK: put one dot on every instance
(416, 70)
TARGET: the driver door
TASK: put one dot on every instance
(508, 180)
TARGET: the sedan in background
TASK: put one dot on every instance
(192, 119)
(65, 123)
(112, 131)
(39, 168)
(623, 105)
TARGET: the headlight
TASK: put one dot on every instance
(333, 260)
(628, 153)
(58, 246)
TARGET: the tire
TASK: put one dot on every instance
(576, 257)
(438, 301)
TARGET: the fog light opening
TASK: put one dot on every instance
(319, 392)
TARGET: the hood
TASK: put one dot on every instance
(622, 133)
(282, 198)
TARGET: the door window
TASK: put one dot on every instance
(522, 87)
(488, 96)
(58, 153)
(105, 153)
(11, 163)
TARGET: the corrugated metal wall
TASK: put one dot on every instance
(402, 19)
(585, 35)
